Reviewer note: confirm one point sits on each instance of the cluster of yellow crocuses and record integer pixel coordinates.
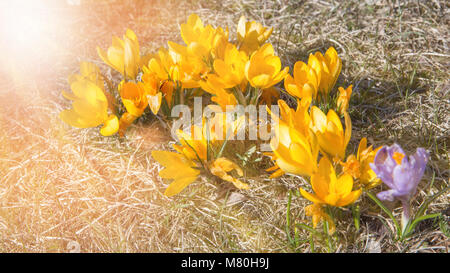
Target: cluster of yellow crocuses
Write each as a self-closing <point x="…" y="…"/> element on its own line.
<point x="229" y="71"/>
<point x="303" y="134"/>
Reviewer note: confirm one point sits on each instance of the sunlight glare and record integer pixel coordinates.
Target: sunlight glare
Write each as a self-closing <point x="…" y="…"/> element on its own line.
<point x="28" y="30"/>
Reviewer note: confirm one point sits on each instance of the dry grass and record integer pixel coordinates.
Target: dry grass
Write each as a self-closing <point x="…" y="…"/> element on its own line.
<point x="59" y="184"/>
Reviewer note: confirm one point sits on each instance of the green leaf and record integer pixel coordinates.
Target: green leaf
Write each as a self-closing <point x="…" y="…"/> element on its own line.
<point x="311" y="242"/>
<point x="413" y="224"/>
<point x="387" y="211"/>
<point x="356" y="216"/>
<point x="326" y="228"/>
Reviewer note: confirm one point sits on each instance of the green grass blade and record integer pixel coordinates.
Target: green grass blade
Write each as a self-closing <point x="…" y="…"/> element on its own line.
<point x="410" y="228"/>
<point x="356" y="213"/>
<point x="288" y="219"/>
<point x="387" y="211"/>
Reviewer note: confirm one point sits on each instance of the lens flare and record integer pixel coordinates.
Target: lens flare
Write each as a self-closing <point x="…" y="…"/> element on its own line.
<point x="29" y="36"/>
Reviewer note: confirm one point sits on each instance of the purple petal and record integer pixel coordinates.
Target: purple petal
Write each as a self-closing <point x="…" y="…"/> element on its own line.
<point x="395" y="148"/>
<point x="419" y="161"/>
<point x="403" y="178"/>
<point x="404" y="181"/>
<point x="381" y="156"/>
<point x="383" y="167"/>
<point x="387" y="195"/>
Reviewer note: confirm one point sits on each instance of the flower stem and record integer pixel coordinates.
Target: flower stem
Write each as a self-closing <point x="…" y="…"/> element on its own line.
<point x="406" y="215"/>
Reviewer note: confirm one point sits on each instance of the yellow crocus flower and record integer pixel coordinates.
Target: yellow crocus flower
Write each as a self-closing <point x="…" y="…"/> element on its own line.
<point x="178" y="168"/>
<point x="183" y="171"/>
<point x="193" y="146"/>
<point x="231" y="69"/>
<point x="202" y="40"/>
<point x="134" y="98"/>
<point x="327" y="67"/>
<point x="330" y="133"/>
<point x="263" y="70"/>
<point x="88" y="71"/>
<point x="329" y="189"/>
<point x="189" y="69"/>
<point x="359" y="166"/>
<point x="192" y="29"/>
<point x="298" y="119"/>
<point x="91" y="72"/>
<point x="294" y="153"/>
<point x="161" y="64"/>
<point x="304" y="83"/>
<point x="152" y="87"/>
<point x="90" y="108"/>
<point x="123" y="55"/>
<point x="344" y="99"/>
<point x="251" y="35"/>
<point x="162" y="67"/>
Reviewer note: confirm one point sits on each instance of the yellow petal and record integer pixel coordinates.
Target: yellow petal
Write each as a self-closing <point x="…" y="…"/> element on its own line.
<point x="344" y="184"/>
<point x="311" y="197"/>
<point x="131" y="107"/>
<point x="111" y="126"/>
<point x="177" y="165"/>
<point x="155" y="102"/>
<point x="348" y="128"/>
<point x="349" y="199"/>
<point x="319" y="119"/>
<point x="260" y="81"/>
<point x="116" y="59"/>
<point x="220" y="168"/>
<point x="333" y="117"/>
<point x="361" y="147"/>
<point x="73" y="119"/>
<point x="88" y="90"/>
<point x="178" y="185"/>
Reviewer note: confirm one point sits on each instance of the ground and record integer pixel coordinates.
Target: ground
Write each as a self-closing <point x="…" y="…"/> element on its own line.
<point x="62" y="187"/>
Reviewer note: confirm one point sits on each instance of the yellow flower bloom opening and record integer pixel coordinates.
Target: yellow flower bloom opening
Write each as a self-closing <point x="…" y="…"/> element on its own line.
<point x="330" y="134"/>
<point x="123" y="55"/>
<point x="329" y="189"/>
<point x="263" y="70"/>
<point x="359" y="166"/>
<point x="251" y="35"/>
<point x="295" y="153"/>
<point x="304" y="83"/>
<point x="327" y="67"/>
<point x="344" y="99"/>
<point x="89" y="102"/>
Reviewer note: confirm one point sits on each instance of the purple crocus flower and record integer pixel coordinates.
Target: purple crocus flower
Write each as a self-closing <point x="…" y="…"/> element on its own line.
<point x="400" y="173"/>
